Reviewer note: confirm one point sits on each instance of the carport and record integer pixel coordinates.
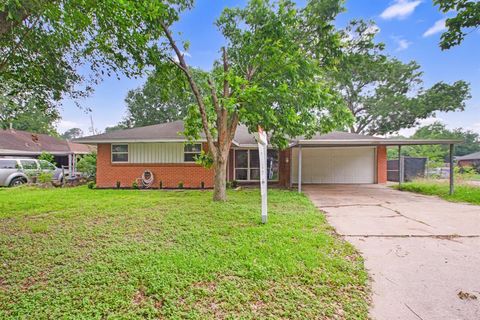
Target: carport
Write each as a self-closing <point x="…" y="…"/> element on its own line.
<point x="343" y="158"/>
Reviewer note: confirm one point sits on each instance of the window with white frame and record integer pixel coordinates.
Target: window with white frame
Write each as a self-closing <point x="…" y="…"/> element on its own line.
<point x="247" y="165"/>
<point x="119" y="152"/>
<point x="191" y="151"/>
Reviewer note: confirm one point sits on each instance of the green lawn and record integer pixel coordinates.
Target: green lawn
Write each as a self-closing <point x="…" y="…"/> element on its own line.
<point x="86" y="254"/>
<point x="463" y="192"/>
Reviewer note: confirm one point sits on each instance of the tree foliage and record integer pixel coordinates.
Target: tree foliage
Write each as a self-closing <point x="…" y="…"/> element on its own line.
<point x="72" y="133"/>
<point x="385" y="94"/>
<point x="24" y="112"/>
<point x="88" y="165"/>
<point x="438" y="154"/>
<point x="467" y="16"/>
<point x="44" y="43"/>
<point x="165" y="97"/>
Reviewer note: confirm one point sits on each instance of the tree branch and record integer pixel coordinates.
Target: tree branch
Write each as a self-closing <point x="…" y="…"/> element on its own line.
<point x="196" y="91"/>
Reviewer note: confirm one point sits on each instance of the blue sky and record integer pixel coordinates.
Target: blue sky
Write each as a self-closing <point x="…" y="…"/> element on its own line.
<point x="409" y="28"/>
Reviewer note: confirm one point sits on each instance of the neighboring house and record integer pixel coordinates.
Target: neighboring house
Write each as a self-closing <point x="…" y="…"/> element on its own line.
<point x="469" y="160"/>
<point x="334" y="158"/>
<point x="17" y="143"/>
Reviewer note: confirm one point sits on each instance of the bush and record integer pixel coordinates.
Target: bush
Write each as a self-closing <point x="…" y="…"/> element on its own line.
<point x="180" y="185"/>
<point x="44" y="177"/>
<point x="118" y="184"/>
<point x="91" y="185"/>
<point x="134" y="185"/>
<point x="229" y="184"/>
<point x="88" y="165"/>
<point x="47" y="157"/>
<point x="234" y="183"/>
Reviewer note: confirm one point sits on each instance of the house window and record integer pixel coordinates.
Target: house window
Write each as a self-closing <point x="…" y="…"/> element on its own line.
<point x="191" y="151"/>
<point x="247" y="165"/>
<point x="119" y="152"/>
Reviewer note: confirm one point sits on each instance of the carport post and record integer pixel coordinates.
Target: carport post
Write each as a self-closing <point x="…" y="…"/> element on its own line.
<point x="299" y="169"/>
<point x="452" y="187"/>
<point x="400" y="173"/>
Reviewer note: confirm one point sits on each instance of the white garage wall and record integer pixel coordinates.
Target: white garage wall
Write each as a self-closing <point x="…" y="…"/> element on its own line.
<point x="335" y="165"/>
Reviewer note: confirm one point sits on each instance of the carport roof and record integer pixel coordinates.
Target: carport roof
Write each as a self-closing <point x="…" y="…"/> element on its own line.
<point x="353" y="139"/>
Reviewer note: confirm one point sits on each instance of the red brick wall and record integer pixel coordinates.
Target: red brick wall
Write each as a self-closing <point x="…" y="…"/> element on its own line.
<point x="170" y="174"/>
<point x="381" y="164"/>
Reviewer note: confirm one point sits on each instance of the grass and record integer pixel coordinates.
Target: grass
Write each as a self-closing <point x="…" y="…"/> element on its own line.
<point x="130" y="254"/>
<point x="463" y="192"/>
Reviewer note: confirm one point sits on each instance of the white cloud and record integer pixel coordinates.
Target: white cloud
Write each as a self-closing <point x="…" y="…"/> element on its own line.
<point x="400" y="9"/>
<point x="437" y="27"/>
<point x="402" y="44"/>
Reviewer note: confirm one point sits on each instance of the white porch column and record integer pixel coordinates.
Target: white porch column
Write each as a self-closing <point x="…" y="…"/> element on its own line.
<point x="299" y="169"/>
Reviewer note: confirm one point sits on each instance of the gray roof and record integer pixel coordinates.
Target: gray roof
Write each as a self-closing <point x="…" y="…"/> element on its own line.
<point x="471" y="156"/>
<point x="18" y="142"/>
<point x="164" y="132"/>
<point x="172" y="132"/>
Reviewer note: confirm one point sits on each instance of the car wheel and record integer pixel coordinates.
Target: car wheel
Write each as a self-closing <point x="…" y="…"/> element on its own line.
<point x="17" y="182"/>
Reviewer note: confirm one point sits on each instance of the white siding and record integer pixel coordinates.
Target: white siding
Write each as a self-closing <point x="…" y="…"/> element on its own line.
<point x="335" y="165"/>
<point x="155" y="152"/>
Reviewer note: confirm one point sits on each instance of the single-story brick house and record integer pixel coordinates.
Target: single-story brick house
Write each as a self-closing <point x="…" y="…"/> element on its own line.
<point x="334" y="158"/>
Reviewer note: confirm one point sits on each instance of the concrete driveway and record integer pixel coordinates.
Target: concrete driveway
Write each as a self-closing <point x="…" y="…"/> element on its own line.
<point x="423" y="253"/>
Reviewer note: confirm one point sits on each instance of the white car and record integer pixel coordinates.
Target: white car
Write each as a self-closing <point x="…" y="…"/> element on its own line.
<point x="15" y="172"/>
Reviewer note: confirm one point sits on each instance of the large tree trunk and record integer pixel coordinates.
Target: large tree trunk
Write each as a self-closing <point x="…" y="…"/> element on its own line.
<point x="220" y="186"/>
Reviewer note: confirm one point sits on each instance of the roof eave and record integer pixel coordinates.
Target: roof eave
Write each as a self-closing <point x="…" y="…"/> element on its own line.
<point x="120" y="140"/>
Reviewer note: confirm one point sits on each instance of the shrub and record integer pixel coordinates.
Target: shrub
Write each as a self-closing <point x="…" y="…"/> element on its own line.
<point x="44" y="177"/>
<point x="47" y="157"/>
<point x="180" y="185"/>
<point x="135" y="185"/>
<point x="118" y="184"/>
<point x="160" y="185"/>
<point x="234" y="183"/>
<point x="91" y="185"/>
<point x="88" y="165"/>
<point x="229" y="184"/>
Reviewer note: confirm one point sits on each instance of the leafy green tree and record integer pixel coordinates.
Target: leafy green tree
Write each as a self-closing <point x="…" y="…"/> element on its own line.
<point x="23" y="112"/>
<point x="88" y="165"/>
<point x="438" y="154"/>
<point x="383" y="93"/>
<point x="119" y="126"/>
<point x="164" y="97"/>
<point x="47" y="157"/>
<point x="271" y="74"/>
<point x="72" y="133"/>
<point x="467" y="16"/>
<point x="44" y="43"/>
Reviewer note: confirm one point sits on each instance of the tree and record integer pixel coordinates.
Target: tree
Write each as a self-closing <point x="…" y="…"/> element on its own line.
<point x="271" y="74"/>
<point x="383" y="93"/>
<point x="88" y="165"/>
<point x="164" y="97"/>
<point x="24" y="112"/>
<point x="47" y="157"/>
<point x="438" y="154"/>
<point x="72" y="133"/>
<point x="43" y="43"/>
<point x="467" y="15"/>
<point x="119" y="126"/>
